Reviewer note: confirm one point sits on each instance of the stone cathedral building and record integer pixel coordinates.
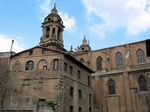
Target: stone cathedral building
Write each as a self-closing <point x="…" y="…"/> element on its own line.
<point x="48" y="78"/>
<point x="121" y="82"/>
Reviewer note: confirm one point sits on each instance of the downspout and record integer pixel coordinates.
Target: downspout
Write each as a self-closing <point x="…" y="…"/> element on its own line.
<point x="7" y="71"/>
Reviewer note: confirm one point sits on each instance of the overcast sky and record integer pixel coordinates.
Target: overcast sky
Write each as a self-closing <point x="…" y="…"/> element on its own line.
<point x="105" y="23"/>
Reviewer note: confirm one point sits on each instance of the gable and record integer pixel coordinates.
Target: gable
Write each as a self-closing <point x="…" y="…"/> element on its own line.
<point x="36" y="52"/>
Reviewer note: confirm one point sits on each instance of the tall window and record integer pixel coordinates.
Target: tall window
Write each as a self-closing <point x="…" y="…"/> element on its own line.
<point x="140" y="56"/>
<point x="111" y="87"/>
<point x="55" y="64"/>
<point x="119" y="59"/>
<point x="80" y="94"/>
<point x="65" y="67"/>
<point x="71" y="91"/>
<point x="80" y="109"/>
<point x="47" y="31"/>
<point x="29" y="65"/>
<point x="71" y="108"/>
<point x="81" y="60"/>
<point x="89" y="109"/>
<point x="89" y="99"/>
<point x="89" y="81"/>
<point x="59" y="31"/>
<point x="70" y="70"/>
<point x="79" y="74"/>
<point x="142" y="84"/>
<point x="99" y="63"/>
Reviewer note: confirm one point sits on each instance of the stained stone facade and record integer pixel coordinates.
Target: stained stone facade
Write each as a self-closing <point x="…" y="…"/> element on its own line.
<point x="121" y="82"/>
<point x="46" y="78"/>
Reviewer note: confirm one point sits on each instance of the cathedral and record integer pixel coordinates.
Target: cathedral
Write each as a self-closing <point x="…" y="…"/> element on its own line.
<point x="48" y="78"/>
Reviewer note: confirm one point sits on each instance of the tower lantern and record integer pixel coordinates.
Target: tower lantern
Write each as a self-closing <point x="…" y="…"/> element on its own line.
<point x="52" y="30"/>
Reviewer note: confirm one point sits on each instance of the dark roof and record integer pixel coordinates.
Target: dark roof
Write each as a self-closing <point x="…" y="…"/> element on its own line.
<point x="78" y="63"/>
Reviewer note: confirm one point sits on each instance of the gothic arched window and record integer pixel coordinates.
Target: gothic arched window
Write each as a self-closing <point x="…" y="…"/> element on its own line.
<point x="119" y="59"/>
<point x="142" y="84"/>
<point x="140" y="56"/>
<point x="81" y="60"/>
<point x="30" y="65"/>
<point x="99" y="63"/>
<point x="111" y="87"/>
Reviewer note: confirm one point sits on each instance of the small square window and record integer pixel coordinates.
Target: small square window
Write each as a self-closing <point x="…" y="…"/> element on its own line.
<point x="43" y="51"/>
<point x="40" y="84"/>
<point x="45" y="68"/>
<point x="30" y="52"/>
<point x="26" y="82"/>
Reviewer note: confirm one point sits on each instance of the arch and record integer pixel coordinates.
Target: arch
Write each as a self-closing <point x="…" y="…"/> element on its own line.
<point x="140" y="56"/>
<point x="29" y="65"/>
<point x="142" y="84"/>
<point x="99" y="63"/>
<point x="111" y="86"/>
<point x="42" y="65"/>
<point x="119" y="59"/>
<point x="82" y="60"/>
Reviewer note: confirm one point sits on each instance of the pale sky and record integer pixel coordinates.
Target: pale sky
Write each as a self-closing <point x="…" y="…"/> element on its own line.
<point x="105" y="23"/>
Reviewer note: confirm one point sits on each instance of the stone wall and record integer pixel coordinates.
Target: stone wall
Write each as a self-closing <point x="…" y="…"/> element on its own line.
<point x="3" y="76"/>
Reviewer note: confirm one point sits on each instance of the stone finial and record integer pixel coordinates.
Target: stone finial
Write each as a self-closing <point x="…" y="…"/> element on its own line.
<point x="54" y="10"/>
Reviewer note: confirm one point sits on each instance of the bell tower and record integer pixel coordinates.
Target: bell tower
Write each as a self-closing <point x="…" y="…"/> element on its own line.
<point x="85" y="46"/>
<point x="52" y="28"/>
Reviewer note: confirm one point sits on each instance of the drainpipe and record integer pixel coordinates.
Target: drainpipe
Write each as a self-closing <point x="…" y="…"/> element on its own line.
<point x="7" y="71"/>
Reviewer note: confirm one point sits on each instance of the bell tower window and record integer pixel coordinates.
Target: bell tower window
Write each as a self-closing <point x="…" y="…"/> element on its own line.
<point x="47" y="31"/>
<point x="49" y="19"/>
<point x="53" y="34"/>
<point x="58" y="34"/>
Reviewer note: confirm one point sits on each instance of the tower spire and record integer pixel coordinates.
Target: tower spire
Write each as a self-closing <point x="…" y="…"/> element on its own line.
<point x="54" y="10"/>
